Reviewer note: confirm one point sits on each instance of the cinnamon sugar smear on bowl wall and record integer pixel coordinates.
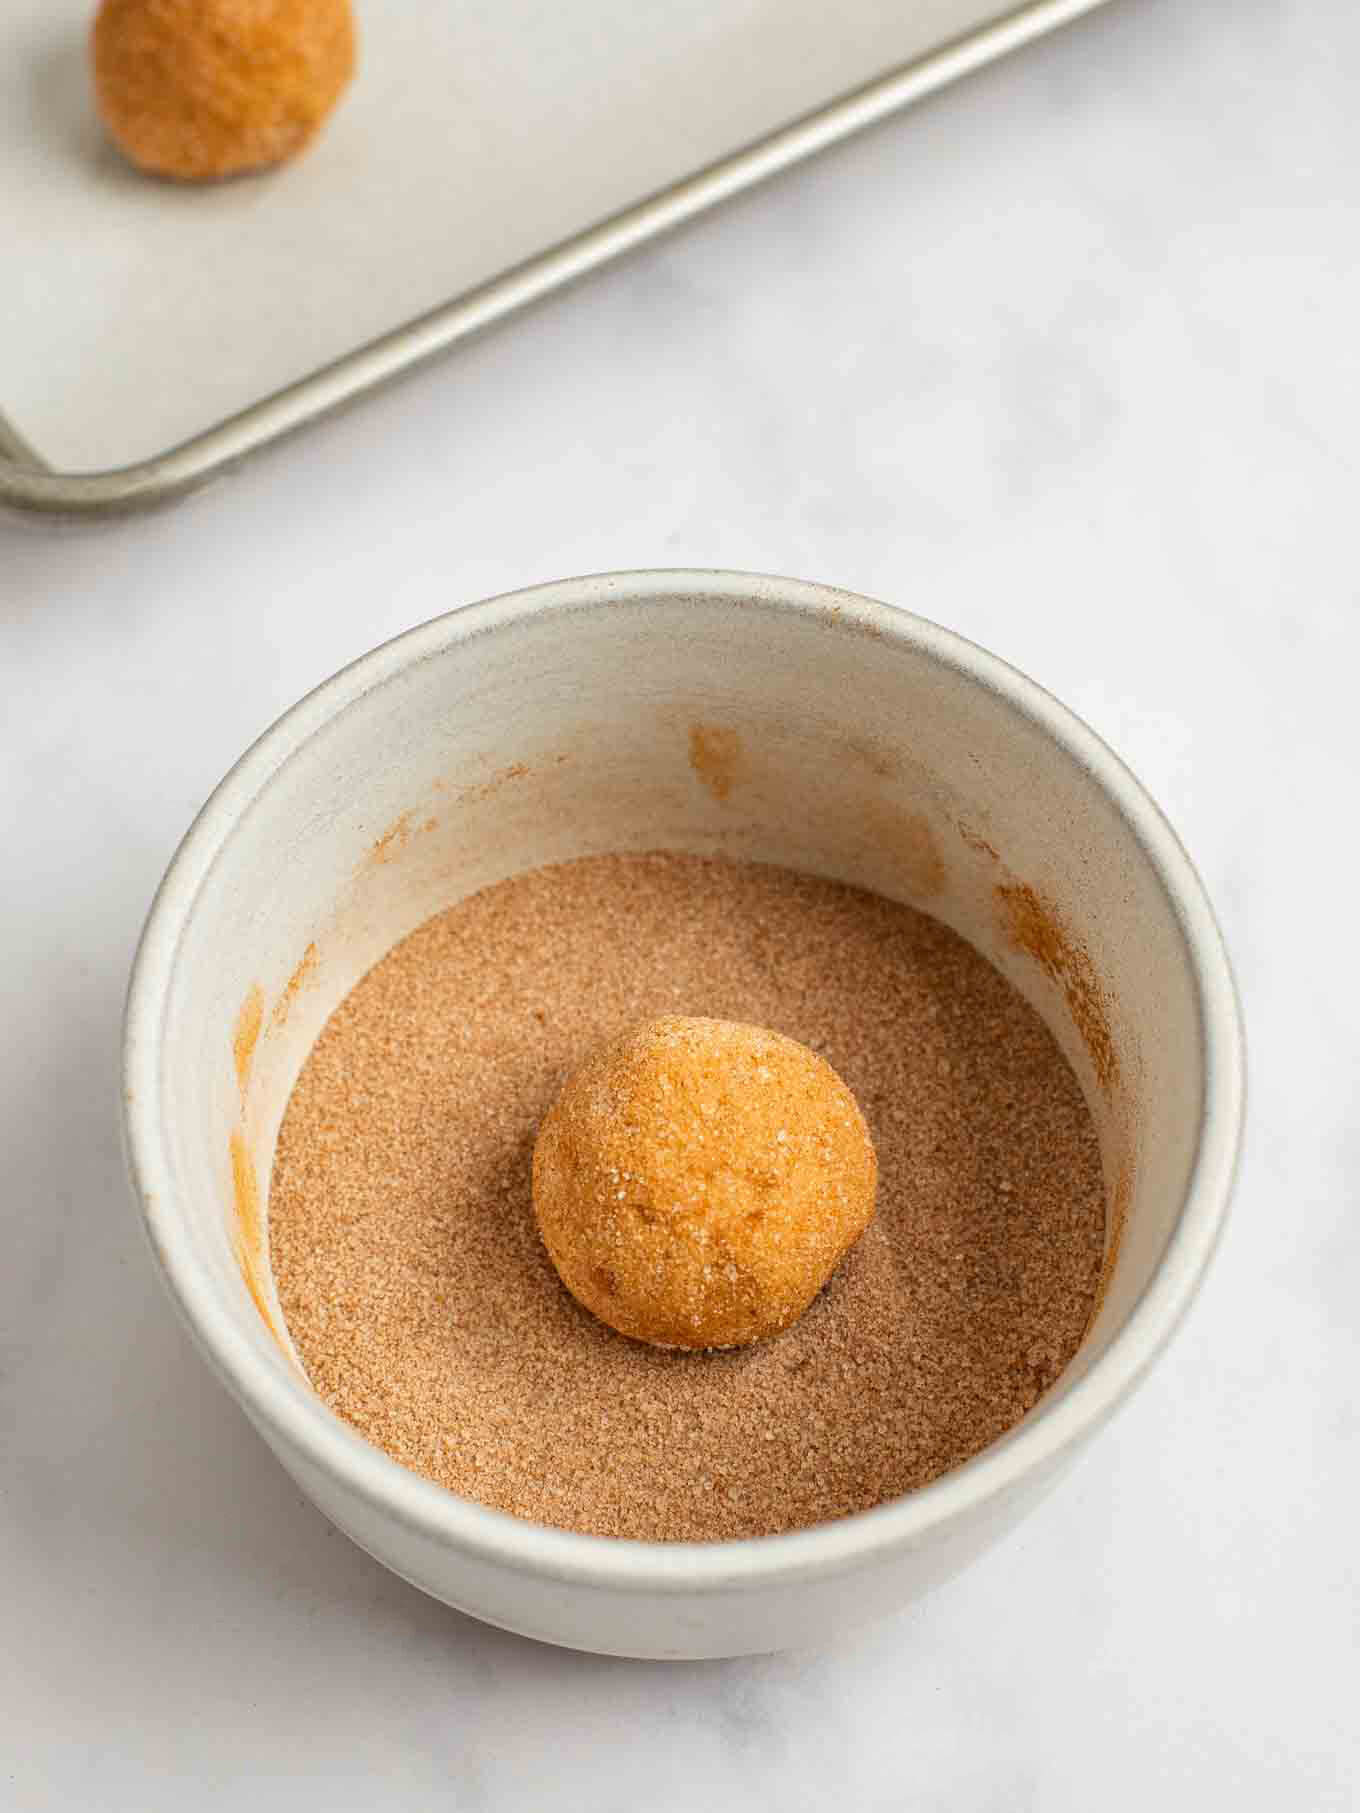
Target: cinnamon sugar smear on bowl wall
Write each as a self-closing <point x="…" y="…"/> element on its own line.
<point x="729" y="721"/>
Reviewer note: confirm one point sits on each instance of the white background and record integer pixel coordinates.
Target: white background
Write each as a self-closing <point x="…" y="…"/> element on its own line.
<point x="1067" y="360"/>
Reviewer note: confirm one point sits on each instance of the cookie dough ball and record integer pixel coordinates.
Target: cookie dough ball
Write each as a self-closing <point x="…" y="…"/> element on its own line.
<point x="697" y="1181"/>
<point x="200" y="89"/>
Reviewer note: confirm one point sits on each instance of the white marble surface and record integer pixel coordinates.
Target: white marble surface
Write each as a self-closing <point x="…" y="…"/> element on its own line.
<point x="1068" y="360"/>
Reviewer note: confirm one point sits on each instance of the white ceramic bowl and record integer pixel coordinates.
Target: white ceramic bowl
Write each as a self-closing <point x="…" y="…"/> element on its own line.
<point x="855" y="740"/>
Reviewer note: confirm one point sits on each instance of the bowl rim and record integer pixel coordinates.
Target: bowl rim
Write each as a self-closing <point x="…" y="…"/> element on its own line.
<point x="290" y="1414"/>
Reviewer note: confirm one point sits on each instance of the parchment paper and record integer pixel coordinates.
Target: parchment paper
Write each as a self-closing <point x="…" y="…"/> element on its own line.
<point x="134" y="313"/>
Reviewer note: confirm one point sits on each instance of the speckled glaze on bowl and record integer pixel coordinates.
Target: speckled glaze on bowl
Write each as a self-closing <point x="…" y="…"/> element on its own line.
<point x="714" y="712"/>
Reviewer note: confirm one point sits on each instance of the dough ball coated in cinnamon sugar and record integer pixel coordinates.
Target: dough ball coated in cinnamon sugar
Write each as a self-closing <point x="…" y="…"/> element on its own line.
<point x="202" y="89"/>
<point x="697" y="1181"/>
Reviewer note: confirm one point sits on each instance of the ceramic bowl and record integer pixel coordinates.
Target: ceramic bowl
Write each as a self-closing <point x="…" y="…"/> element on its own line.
<point x="710" y="712"/>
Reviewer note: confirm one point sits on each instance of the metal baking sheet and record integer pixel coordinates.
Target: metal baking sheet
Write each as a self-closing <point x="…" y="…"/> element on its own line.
<point x="490" y="152"/>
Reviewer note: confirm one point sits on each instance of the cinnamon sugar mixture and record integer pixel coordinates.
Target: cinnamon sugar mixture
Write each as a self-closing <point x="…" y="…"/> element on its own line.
<point x="428" y="1315"/>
